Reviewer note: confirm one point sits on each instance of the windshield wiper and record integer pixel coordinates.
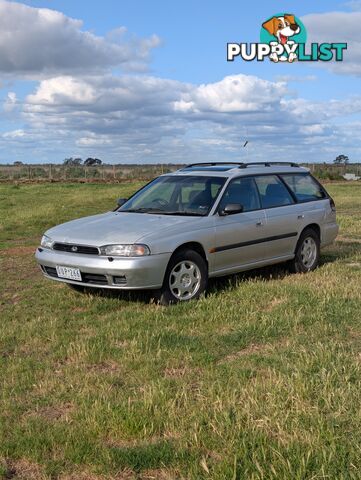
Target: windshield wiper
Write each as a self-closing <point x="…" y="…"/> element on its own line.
<point x="159" y="211"/>
<point x="185" y="213"/>
<point x="143" y="210"/>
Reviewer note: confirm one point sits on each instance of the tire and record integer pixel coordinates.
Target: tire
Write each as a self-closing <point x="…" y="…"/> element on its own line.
<point x="185" y="279"/>
<point x="307" y="254"/>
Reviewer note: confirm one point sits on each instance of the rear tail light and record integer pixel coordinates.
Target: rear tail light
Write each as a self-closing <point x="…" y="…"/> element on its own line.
<point x="332" y="205"/>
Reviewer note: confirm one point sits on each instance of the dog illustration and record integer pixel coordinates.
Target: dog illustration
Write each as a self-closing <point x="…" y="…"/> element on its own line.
<point x="282" y="28"/>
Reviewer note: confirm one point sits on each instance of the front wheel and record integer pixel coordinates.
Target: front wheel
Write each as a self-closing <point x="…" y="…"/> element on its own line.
<point x="307" y="255"/>
<point x="185" y="279"/>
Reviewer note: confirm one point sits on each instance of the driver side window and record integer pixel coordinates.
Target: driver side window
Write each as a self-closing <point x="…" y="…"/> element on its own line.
<point x="242" y="191"/>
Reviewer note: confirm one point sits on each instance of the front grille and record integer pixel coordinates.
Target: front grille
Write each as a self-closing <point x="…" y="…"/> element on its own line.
<point x="94" y="278"/>
<point x="91" y="278"/>
<point x="74" y="248"/>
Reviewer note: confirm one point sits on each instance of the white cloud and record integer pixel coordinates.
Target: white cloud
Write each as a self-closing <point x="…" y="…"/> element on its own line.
<point x="337" y="27"/>
<point x="61" y="91"/>
<point x="14" y="134"/>
<point x="43" y="41"/>
<point x="10" y="102"/>
<point x="236" y="93"/>
<point x="93" y="140"/>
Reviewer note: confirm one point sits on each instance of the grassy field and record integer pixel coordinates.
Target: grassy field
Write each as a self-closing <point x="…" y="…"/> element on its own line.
<point x="259" y="380"/>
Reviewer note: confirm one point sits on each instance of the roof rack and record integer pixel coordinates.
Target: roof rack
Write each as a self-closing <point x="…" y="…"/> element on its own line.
<point x="212" y="164"/>
<point x="241" y="164"/>
<point x="267" y="164"/>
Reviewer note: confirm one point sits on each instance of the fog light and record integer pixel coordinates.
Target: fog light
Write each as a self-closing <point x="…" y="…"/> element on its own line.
<point x="120" y="280"/>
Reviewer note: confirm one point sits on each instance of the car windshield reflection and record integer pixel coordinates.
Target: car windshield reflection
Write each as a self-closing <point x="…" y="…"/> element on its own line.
<point x="187" y="195"/>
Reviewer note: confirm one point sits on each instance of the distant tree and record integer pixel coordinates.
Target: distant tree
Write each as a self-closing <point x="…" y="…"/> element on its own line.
<point x="18" y="163"/>
<point x="89" y="162"/>
<point x="341" y="160"/>
<point x="72" y="161"/>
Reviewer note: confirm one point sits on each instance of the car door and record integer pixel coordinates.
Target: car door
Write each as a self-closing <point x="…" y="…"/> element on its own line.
<point x="238" y="236"/>
<point x="281" y="226"/>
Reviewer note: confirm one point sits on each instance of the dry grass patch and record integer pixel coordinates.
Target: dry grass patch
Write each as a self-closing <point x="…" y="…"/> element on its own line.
<point x="79" y="309"/>
<point x="254" y="349"/>
<point x="113" y="442"/>
<point x="159" y="474"/>
<point x="23" y="469"/>
<point x="249" y="350"/>
<point x="274" y="303"/>
<point x="104" y="368"/>
<point x="121" y="344"/>
<point x="54" y="412"/>
<point x="348" y="240"/>
<point x="181" y="372"/>
<point x="19" y="251"/>
<point x="85" y="475"/>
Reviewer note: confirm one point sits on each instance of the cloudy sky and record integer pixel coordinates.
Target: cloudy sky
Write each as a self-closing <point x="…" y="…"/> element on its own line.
<point x="147" y="81"/>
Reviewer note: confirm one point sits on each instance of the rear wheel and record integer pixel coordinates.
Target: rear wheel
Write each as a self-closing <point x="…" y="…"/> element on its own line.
<point x="307" y="255"/>
<point x="185" y="279"/>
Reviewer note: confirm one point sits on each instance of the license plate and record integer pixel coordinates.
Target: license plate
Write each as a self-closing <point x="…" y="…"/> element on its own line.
<point x="68" y="272"/>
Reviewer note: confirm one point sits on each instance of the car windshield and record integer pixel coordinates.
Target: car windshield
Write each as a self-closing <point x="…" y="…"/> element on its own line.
<point x="176" y="195"/>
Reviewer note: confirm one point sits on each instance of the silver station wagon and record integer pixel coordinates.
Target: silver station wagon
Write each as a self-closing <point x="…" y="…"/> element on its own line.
<point x="205" y="220"/>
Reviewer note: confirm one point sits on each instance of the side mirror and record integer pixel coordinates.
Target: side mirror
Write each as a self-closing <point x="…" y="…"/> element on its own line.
<point x="121" y="201"/>
<point x="231" y="209"/>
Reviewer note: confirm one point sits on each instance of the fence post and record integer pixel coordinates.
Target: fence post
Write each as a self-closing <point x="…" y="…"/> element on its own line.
<point x="114" y="172"/>
<point x="29" y="172"/>
<point x="50" y="173"/>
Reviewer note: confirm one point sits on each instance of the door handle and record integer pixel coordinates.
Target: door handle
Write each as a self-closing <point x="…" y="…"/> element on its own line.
<point x="300" y="217"/>
<point x="259" y="223"/>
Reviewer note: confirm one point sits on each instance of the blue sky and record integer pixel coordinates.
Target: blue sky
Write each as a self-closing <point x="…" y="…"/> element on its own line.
<point x="162" y="91"/>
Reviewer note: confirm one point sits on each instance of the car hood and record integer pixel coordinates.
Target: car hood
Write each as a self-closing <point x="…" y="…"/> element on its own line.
<point x="114" y="227"/>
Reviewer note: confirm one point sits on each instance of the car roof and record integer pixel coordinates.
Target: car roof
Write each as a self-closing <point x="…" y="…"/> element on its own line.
<point x="229" y="170"/>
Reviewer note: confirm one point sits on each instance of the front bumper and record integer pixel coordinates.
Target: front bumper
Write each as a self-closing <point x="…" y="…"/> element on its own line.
<point x="131" y="273"/>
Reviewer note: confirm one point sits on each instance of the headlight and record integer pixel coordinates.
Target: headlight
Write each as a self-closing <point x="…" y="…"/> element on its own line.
<point x="46" y="242"/>
<point x="136" y="250"/>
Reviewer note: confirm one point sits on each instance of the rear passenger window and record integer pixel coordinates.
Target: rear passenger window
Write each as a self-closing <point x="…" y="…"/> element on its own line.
<point x="304" y="187"/>
<point x="272" y="191"/>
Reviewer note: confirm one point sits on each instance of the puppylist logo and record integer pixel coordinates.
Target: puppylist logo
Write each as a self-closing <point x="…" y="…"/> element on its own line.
<point x="283" y="39"/>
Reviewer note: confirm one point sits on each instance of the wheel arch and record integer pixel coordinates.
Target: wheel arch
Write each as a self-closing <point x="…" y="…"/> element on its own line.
<point x="315" y="227"/>
<point x="195" y="246"/>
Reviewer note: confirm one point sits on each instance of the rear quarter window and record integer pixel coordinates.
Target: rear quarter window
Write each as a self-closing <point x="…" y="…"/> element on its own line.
<point x="304" y="187"/>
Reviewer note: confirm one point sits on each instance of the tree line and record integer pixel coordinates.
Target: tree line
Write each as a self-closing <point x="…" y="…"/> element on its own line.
<point x="89" y="162"/>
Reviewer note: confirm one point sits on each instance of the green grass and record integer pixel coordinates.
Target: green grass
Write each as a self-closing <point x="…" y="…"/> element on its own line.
<point x="259" y="380"/>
